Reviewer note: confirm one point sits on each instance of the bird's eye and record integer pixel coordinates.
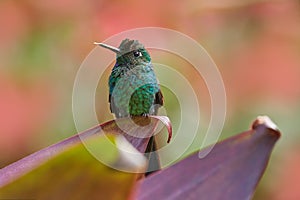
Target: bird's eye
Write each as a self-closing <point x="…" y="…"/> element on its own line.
<point x="137" y="54"/>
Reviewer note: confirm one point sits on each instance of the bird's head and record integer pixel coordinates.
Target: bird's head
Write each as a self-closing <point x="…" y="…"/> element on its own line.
<point x="129" y="51"/>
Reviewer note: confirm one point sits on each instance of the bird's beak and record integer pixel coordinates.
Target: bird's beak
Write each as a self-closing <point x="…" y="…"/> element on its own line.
<point x="114" y="49"/>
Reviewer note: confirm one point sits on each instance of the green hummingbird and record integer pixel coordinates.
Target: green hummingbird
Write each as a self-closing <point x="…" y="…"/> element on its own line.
<point x="133" y="87"/>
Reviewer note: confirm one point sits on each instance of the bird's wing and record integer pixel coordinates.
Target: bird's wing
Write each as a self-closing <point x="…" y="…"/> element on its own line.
<point x="110" y="102"/>
<point x="159" y="99"/>
<point x="113" y="107"/>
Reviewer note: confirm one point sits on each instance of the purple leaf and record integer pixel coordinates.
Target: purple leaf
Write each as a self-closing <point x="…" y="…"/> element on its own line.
<point x="231" y="171"/>
<point x="76" y="174"/>
<point x="137" y="131"/>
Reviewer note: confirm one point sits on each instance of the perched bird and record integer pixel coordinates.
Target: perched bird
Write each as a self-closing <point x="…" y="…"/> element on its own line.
<point x="133" y="87"/>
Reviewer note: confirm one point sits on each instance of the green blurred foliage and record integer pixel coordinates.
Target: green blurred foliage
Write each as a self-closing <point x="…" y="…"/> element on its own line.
<point x="76" y="174"/>
<point x="255" y="44"/>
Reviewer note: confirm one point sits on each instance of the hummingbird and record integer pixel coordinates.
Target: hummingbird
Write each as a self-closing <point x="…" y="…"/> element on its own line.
<point x="133" y="87"/>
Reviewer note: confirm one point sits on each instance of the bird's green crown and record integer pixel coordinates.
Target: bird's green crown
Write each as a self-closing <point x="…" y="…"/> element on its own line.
<point x="128" y="45"/>
<point x="132" y="51"/>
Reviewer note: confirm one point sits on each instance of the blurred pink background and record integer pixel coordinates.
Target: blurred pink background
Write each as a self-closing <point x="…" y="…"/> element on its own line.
<point x="256" y="45"/>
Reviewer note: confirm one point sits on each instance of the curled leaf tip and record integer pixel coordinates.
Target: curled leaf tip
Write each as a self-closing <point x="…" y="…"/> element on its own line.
<point x="264" y="120"/>
<point x="166" y="121"/>
<point x="170" y="133"/>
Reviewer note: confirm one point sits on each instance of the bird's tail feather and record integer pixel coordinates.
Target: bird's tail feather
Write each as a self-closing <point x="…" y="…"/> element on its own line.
<point x="152" y="156"/>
